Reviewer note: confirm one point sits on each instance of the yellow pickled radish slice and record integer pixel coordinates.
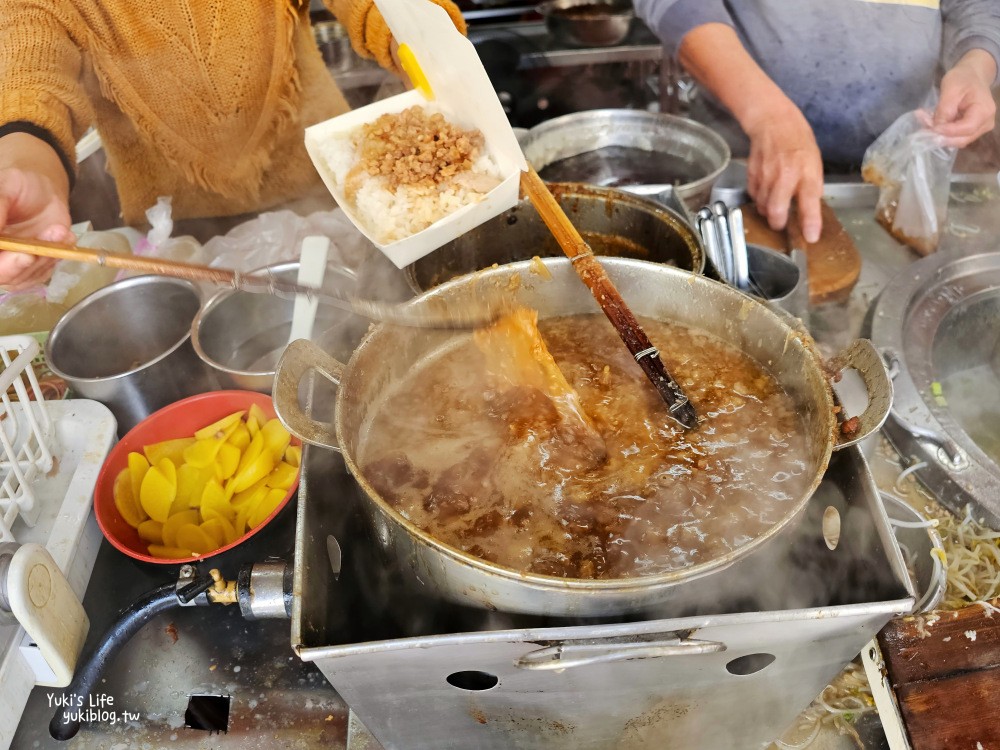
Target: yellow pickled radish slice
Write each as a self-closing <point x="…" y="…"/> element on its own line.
<point x="168" y="469"/>
<point x="253" y="426"/>
<point x="214" y="502"/>
<point x="226" y="461"/>
<point x="412" y="69"/>
<point x="173" y="524"/>
<point x="172" y="449"/>
<point x="220" y="428"/>
<point x="169" y="553"/>
<point x="282" y="477"/>
<point x="244" y="513"/>
<point x="293" y="455"/>
<point x="229" y="534"/>
<point x="137" y="467"/>
<point x="254" y="471"/>
<point x="240" y="437"/>
<point x="265" y="507"/>
<point x="202" y="453"/>
<point x="250" y="496"/>
<point x="191" y="482"/>
<point x="276" y="438"/>
<point x="193" y="538"/>
<point x="213" y="529"/>
<point x="125" y="502"/>
<point x="159" y="487"/>
<point x="257" y="414"/>
<point x="253" y="450"/>
<point x="151" y="531"/>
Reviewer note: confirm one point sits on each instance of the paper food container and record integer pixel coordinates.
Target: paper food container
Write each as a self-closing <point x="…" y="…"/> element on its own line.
<point x="458" y="85"/>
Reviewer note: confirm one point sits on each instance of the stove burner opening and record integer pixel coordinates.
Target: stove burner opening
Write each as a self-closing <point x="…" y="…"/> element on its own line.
<point x="208" y="712"/>
<point x="750" y="664"/>
<point x="472" y="680"/>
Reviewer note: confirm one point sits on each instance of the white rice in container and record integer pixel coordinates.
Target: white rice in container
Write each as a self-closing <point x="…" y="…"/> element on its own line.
<point x="390" y="215"/>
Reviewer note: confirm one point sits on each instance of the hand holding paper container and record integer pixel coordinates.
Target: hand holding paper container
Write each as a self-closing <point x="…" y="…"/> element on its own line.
<point x="450" y="78"/>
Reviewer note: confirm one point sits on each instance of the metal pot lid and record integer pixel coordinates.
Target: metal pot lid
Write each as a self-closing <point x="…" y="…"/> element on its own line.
<point x="936" y="325"/>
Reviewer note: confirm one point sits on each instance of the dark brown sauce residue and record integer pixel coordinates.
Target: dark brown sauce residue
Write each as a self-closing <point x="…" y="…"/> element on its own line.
<point x="486" y="468"/>
<point x="614" y="166"/>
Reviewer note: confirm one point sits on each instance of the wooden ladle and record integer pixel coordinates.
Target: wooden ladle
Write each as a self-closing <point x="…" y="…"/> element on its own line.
<point x="592" y="273"/>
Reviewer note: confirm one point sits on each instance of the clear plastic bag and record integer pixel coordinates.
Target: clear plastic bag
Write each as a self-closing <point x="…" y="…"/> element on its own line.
<point x="912" y="168"/>
<point x="276" y="236"/>
<point x="159" y="244"/>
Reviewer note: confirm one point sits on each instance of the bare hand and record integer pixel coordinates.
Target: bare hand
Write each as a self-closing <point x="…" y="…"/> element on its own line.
<point x="30" y="207"/>
<point x="785" y="163"/>
<point x="966" y="109"/>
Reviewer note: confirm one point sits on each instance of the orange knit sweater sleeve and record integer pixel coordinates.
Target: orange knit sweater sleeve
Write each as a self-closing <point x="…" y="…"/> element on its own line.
<point x="369" y="33"/>
<point x="40" y="67"/>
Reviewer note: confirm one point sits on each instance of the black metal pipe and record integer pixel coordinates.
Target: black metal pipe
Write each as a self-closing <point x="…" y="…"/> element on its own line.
<point x="66" y="723"/>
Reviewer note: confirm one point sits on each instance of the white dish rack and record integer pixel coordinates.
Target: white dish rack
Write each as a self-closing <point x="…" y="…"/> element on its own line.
<point x="52" y="452"/>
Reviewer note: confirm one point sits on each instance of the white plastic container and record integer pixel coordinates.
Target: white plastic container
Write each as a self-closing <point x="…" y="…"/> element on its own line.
<point x="462" y="90"/>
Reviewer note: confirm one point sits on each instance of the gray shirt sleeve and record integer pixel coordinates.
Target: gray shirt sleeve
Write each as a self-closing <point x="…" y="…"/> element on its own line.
<point x="970" y="24"/>
<point x="671" y="20"/>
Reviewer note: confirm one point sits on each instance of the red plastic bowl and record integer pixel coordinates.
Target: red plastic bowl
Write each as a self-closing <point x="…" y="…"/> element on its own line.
<point x="180" y="419"/>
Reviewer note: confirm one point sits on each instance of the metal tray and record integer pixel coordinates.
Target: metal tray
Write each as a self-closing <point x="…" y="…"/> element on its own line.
<point x="935" y="326"/>
<point x="729" y="668"/>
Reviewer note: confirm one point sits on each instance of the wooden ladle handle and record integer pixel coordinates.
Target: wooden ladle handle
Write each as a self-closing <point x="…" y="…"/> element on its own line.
<point x="592" y="273"/>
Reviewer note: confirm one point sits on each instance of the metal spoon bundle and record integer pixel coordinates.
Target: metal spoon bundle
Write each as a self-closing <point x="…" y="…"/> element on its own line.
<point x="725" y="243"/>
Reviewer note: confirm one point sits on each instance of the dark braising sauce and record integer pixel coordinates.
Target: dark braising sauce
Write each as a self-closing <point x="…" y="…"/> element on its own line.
<point x="490" y="469"/>
<point x="613" y="166"/>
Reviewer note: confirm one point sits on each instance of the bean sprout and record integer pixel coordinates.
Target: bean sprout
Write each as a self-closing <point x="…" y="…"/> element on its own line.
<point x="969" y="565"/>
<point x="905" y="473"/>
<point x="837" y="707"/>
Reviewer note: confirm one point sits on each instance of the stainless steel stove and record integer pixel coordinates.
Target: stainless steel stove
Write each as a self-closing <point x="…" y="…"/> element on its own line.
<point x="730" y="664"/>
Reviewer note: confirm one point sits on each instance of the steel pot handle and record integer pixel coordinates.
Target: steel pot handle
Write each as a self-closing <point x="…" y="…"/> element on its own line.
<point x="863" y="357"/>
<point x="299" y="359"/>
<point x="601" y="651"/>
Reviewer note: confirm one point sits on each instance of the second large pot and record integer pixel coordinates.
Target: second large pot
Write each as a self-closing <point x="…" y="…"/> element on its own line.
<point x="388" y="354"/>
<point x="614" y="223"/>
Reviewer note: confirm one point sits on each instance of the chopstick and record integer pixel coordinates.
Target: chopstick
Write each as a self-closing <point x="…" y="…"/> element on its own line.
<point x="460" y="318"/>
<point x="158" y="266"/>
<point x="592" y="273"/>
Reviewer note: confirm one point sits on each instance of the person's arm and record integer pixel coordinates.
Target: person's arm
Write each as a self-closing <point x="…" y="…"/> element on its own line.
<point x="785" y="162"/>
<point x="43" y="110"/>
<point x="370" y="36"/>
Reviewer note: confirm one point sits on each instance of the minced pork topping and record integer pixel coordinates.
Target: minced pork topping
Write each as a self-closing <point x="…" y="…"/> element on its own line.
<point x="416" y="148"/>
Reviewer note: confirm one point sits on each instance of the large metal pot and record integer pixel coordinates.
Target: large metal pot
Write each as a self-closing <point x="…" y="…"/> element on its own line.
<point x="679" y="143"/>
<point x="388" y="354"/>
<point x="613" y="223"/>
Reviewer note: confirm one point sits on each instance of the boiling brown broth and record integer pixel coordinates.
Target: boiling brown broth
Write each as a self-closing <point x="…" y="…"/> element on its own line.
<point x="491" y="469"/>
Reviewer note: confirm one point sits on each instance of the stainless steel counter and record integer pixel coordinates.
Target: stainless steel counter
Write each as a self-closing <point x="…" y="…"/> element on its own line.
<point x="276" y="700"/>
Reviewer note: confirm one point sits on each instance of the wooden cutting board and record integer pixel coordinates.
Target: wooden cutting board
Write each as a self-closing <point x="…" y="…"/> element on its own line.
<point x="834" y="262"/>
<point x="945" y="673"/>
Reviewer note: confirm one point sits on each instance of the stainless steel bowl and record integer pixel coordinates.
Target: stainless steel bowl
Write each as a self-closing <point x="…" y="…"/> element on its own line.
<point x="591" y="23"/>
<point x="622" y="142"/>
<point x="918" y="543"/>
<point x="241" y="335"/>
<point x="128" y="346"/>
